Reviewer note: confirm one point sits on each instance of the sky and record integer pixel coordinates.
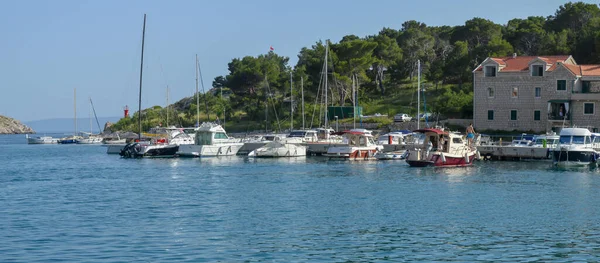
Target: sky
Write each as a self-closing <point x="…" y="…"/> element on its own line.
<point x="49" y="49"/>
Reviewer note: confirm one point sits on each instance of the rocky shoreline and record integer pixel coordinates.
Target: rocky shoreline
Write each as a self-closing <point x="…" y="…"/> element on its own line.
<point x="12" y="126"/>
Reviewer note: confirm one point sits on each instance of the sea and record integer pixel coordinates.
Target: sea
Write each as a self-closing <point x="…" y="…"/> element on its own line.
<point x="75" y="203"/>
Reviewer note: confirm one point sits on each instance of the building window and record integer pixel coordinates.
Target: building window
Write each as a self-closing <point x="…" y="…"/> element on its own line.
<point x="490" y="115"/>
<point x="490" y="92"/>
<point x="537" y="115"/>
<point x="588" y="108"/>
<point x="513" y="115"/>
<point x="538" y="92"/>
<point x="515" y="92"/>
<point x="490" y="71"/>
<point x="561" y="84"/>
<point x="537" y="70"/>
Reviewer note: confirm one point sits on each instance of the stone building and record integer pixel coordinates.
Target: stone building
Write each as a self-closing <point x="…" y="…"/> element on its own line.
<point x="535" y="93"/>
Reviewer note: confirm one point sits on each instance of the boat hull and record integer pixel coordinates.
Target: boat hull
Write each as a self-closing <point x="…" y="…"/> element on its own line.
<point x="565" y="158"/>
<point x="357" y="155"/>
<point x="439" y="160"/>
<point x="191" y="150"/>
<point x="136" y="150"/>
<point x="396" y="155"/>
<point x="277" y="152"/>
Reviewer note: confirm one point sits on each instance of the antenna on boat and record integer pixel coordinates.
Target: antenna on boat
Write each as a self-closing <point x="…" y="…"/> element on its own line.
<point x="141" y="71"/>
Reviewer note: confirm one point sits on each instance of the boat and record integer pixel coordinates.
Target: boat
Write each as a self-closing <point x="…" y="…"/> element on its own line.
<point x="358" y="145"/>
<point x="254" y="142"/>
<point x="576" y="148"/>
<point x="158" y="147"/>
<point x="41" y="140"/>
<point x="90" y="139"/>
<point x="395" y="155"/>
<point x="394" y="141"/>
<point x="286" y="147"/>
<point x="210" y="140"/>
<point x="441" y="149"/>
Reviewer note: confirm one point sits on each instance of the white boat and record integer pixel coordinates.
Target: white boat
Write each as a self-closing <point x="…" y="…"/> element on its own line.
<point x="395" y="155"/>
<point x="359" y="145"/>
<point x="394" y="141"/>
<point x="287" y="147"/>
<point x="576" y="148"/>
<point x="157" y="148"/>
<point x="256" y="141"/>
<point x="521" y="149"/>
<point x="41" y="140"/>
<point x="441" y="149"/>
<point x="211" y="140"/>
<point x="90" y="139"/>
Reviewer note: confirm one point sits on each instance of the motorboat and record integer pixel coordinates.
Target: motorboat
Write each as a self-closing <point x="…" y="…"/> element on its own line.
<point x="286" y="147"/>
<point x="441" y="149"/>
<point x="210" y="140"/>
<point x="90" y="139"/>
<point x="358" y="144"/>
<point x="254" y="142"/>
<point x="41" y="140"/>
<point x="69" y="139"/>
<point x="154" y="148"/>
<point x="576" y="148"/>
<point x="527" y="147"/>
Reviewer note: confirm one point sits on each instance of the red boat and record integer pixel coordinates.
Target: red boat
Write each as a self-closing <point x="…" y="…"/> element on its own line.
<point x="441" y="149"/>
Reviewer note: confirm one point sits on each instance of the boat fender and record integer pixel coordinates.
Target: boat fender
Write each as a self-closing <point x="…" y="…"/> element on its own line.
<point x="443" y="157"/>
<point x="478" y="155"/>
<point x="466" y="158"/>
<point x="357" y="154"/>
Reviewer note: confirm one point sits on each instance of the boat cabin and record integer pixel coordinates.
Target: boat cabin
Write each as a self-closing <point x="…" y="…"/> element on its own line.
<point x="435" y="140"/>
<point x="305" y="135"/>
<point x="581" y="136"/>
<point x="356" y="138"/>
<point x="210" y="133"/>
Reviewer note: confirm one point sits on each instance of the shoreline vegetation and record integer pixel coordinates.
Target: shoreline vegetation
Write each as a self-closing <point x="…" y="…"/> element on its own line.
<point x="255" y="94"/>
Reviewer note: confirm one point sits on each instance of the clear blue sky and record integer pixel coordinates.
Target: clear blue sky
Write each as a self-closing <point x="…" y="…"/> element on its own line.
<point x="48" y="48"/>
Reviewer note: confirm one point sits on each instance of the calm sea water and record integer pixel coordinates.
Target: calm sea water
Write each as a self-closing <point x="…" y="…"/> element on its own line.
<point x="75" y="203"/>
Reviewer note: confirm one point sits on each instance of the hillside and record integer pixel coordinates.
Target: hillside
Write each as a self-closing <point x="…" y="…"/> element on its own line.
<point x="12" y="126"/>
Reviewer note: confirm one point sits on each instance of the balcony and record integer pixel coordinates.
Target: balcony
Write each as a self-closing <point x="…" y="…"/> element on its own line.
<point x="590" y="90"/>
<point x="556" y="117"/>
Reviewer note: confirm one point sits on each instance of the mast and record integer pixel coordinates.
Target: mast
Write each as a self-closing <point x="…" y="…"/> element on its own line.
<point x="197" y="96"/>
<point x="203" y="91"/>
<point x="167" y="106"/>
<point x="418" y="92"/>
<point x="302" y="91"/>
<point x="75" y="109"/>
<point x="353" y="102"/>
<point x="95" y="116"/>
<point x="90" y="116"/>
<point x="141" y="71"/>
<point x="326" y="73"/>
<point x="291" y="102"/>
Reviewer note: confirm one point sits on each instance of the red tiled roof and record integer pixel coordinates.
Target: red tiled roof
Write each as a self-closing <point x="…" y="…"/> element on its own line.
<point x="576" y="69"/>
<point x="590" y="70"/>
<point x="521" y="63"/>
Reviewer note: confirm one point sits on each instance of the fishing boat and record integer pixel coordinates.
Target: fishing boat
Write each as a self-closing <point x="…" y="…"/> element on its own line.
<point x="441" y="149"/>
<point x="41" y="140"/>
<point x="358" y="145"/>
<point x="576" y="148"/>
<point x="210" y="140"/>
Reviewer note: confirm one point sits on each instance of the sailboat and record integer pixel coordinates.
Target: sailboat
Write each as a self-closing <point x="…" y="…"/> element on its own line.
<point x="91" y="138"/>
<point x="72" y="139"/>
<point x="156" y="148"/>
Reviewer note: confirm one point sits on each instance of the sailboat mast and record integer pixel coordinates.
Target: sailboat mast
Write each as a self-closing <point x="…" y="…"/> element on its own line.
<point x="141" y="71"/>
<point x="418" y="92"/>
<point x="203" y="91"/>
<point x="302" y="91"/>
<point x="95" y="116"/>
<point x="197" y="96"/>
<point x="326" y="73"/>
<point x="75" y="109"/>
<point x="167" y="106"/>
<point x="353" y="102"/>
<point x="291" y="102"/>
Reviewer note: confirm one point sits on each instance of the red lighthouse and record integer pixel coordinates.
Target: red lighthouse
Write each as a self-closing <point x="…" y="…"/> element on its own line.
<point x="126" y="111"/>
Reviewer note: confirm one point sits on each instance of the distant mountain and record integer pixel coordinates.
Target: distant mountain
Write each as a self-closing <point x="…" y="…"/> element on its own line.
<point x="65" y="125"/>
<point x="12" y="126"/>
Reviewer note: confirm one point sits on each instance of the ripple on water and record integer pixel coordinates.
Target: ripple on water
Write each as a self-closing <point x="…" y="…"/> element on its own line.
<point x="71" y="203"/>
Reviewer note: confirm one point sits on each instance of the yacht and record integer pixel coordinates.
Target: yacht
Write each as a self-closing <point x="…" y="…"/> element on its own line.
<point x="358" y="144"/>
<point x="41" y="140"/>
<point x="576" y="148"/>
<point x="441" y="149"/>
<point x="286" y="147"/>
<point x="210" y="140"/>
<point x="256" y="141"/>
